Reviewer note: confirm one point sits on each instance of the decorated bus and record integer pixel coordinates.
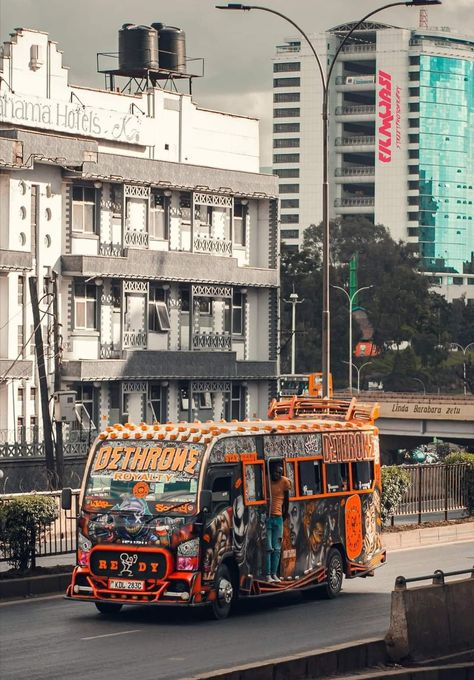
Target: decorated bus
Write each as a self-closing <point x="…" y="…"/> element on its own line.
<point x="176" y="514"/>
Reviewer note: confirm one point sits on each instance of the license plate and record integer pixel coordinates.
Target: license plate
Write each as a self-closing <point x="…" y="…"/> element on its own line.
<point x="119" y="584"/>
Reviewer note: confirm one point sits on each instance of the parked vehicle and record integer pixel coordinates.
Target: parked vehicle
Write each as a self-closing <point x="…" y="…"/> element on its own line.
<point x="176" y="513"/>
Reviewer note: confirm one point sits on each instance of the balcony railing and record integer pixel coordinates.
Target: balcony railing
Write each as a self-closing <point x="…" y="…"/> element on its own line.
<point x="209" y="341"/>
<point x="353" y="172"/>
<point x="361" y="140"/>
<point x="134" y="339"/>
<point x="359" y="48"/>
<point x="212" y="246"/>
<point x="111" y="249"/>
<point x="354" y="202"/>
<point x="137" y="239"/>
<point x="108" y="351"/>
<point x="357" y="108"/>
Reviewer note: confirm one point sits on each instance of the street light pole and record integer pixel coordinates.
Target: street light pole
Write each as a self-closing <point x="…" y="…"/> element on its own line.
<point x="293" y="301"/>
<point x="359" y="370"/>
<point x="464" y="350"/>
<point x="421" y="383"/>
<point x="325" y="80"/>
<point x="351" y="299"/>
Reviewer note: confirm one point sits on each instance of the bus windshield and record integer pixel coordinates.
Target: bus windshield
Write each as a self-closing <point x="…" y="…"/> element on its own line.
<point x="159" y="476"/>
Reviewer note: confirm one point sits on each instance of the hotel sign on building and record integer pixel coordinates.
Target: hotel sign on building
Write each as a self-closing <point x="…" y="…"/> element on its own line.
<point x="75" y="119"/>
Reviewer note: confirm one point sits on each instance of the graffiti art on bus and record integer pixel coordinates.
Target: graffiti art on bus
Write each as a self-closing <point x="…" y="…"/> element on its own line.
<point x="297" y="446"/>
<point x="218" y="542"/>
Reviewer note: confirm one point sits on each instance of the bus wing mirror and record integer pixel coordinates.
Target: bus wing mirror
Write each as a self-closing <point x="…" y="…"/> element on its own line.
<point x="205" y="500"/>
<point x="66" y="499"/>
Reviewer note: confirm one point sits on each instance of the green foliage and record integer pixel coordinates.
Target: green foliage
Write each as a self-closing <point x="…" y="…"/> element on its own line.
<point x="399" y="308"/>
<point x="22" y="521"/>
<point x="467" y="458"/>
<point x="395" y="482"/>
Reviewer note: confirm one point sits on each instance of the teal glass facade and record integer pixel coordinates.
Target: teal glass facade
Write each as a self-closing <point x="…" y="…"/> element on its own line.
<point x="446" y="164"/>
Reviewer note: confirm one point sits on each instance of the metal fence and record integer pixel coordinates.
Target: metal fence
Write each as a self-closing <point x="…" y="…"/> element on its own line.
<point x="60" y="537"/>
<point x="434" y="488"/>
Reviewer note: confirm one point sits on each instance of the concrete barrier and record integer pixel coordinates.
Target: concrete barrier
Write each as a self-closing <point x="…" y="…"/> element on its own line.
<point x="433" y="620"/>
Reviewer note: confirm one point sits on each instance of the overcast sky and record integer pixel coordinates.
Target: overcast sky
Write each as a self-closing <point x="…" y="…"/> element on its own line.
<point x="237" y="47"/>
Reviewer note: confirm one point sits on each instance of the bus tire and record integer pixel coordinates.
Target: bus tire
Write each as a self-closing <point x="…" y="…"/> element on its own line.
<point x="108" y="608"/>
<point x="225" y="593"/>
<point x="334" y="574"/>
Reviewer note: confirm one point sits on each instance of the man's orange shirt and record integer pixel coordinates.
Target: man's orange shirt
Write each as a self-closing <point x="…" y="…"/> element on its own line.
<point x="278" y="495"/>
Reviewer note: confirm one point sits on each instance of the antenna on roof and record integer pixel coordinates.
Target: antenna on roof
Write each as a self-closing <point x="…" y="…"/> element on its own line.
<point x="423" y="23"/>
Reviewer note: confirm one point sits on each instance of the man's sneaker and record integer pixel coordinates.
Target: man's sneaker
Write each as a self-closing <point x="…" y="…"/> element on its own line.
<point x="275" y="578"/>
<point x="268" y="578"/>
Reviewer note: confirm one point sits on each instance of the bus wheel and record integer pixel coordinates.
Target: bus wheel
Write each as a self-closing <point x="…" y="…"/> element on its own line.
<point x="334" y="575"/>
<point x="225" y="594"/>
<point x="108" y="608"/>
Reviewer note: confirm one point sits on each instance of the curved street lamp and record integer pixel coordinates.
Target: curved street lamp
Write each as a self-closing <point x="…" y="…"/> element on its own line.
<point x="422" y="384"/>
<point x="359" y="370"/>
<point x="351" y="299"/>
<point x="464" y="351"/>
<point x="325" y="79"/>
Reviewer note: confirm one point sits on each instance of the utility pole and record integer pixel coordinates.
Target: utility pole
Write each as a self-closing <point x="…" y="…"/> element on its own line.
<point x="57" y="382"/>
<point x="43" y="386"/>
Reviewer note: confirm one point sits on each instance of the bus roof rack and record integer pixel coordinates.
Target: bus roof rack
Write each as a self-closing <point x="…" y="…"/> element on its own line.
<point x="311" y="407"/>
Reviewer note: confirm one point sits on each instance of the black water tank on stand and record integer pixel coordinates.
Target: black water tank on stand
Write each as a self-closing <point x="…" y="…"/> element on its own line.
<point x="138" y="48"/>
<point x="172" y="48"/>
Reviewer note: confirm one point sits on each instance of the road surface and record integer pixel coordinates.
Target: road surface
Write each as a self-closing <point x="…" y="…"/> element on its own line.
<point x="53" y="638"/>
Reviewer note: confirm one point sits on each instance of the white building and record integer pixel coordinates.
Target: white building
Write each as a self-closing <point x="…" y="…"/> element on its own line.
<point x="151" y="214"/>
<point x="401" y="114"/>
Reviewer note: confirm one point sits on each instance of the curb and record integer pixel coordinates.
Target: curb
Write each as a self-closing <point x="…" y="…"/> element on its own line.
<point x="413" y="538"/>
<point x="339" y="659"/>
<point x="17" y="588"/>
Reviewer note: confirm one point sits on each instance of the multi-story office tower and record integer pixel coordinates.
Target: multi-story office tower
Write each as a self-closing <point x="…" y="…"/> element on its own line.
<point x="401" y="151"/>
<point x="162" y="235"/>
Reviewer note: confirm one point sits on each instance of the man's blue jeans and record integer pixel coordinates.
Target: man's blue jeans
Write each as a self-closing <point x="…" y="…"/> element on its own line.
<point x="274" y="537"/>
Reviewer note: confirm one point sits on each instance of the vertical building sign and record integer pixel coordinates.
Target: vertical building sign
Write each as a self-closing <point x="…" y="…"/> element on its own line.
<point x="389" y="116"/>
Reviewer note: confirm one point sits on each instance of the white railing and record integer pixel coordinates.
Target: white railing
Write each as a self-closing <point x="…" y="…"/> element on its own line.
<point x="135" y="339"/>
<point x="359" y="48"/>
<point x="212" y="341"/>
<point x="139" y="239"/>
<point x="212" y="246"/>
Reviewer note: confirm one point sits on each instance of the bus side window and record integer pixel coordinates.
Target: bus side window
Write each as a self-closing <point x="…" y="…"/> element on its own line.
<point x="337" y="477"/>
<point x="309" y="477"/>
<point x="254" y="483"/>
<point x="221" y="489"/>
<point x="363" y="474"/>
<point x="290" y="474"/>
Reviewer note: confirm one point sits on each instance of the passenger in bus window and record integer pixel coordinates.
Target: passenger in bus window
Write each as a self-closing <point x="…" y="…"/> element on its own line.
<point x="279" y="498"/>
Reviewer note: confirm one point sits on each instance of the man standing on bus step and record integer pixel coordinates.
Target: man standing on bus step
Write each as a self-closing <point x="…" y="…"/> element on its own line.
<point x="279" y="497"/>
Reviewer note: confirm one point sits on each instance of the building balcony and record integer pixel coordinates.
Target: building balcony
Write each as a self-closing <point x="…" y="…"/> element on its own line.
<point x="135" y="339"/>
<point x="169" y="266"/>
<point x="358" y="49"/>
<point x="362" y="111"/>
<point x="135" y="239"/>
<point x="221" y="342"/>
<point x="359" y="201"/>
<point x="353" y="175"/>
<point x="170" y="365"/>
<point x="111" y="249"/>
<point x="212" y="246"/>
<point x="359" y="142"/>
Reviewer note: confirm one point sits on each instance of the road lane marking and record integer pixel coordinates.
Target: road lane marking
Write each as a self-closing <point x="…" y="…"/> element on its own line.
<point x="123" y="632"/>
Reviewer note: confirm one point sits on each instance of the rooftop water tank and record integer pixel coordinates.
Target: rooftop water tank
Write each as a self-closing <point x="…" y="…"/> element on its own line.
<point x="172" y="48"/>
<point x="138" y="48"/>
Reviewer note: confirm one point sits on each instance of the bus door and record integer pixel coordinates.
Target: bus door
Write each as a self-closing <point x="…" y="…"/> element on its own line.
<point x="217" y="534"/>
